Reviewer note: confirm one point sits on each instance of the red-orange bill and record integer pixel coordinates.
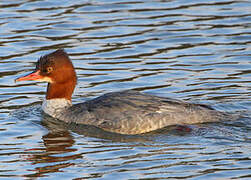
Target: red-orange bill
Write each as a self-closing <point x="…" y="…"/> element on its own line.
<point x="30" y="77"/>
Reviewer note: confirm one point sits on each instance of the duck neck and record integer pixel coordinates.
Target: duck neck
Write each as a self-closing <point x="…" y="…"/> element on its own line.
<point x="60" y="90"/>
<point x="58" y="98"/>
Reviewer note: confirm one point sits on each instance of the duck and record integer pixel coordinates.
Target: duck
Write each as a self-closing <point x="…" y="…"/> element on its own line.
<point x="124" y="112"/>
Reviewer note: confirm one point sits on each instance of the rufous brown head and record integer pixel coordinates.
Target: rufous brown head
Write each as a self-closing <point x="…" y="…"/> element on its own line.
<point x="57" y="69"/>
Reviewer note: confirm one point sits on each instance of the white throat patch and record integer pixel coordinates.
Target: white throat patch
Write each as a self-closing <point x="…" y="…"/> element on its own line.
<point x="54" y="107"/>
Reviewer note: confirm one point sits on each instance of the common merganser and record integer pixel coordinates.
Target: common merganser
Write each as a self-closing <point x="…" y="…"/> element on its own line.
<point x="125" y="112"/>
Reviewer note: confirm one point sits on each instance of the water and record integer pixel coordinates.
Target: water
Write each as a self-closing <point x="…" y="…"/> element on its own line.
<point x="197" y="51"/>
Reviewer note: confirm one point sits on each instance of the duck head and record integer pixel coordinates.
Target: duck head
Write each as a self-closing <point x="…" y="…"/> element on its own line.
<point x="57" y="69"/>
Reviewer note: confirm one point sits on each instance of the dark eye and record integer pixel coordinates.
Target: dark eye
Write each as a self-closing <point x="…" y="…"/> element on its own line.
<point x="49" y="69"/>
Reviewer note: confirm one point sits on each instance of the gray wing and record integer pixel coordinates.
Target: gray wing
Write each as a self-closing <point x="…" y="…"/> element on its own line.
<point x="131" y="112"/>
